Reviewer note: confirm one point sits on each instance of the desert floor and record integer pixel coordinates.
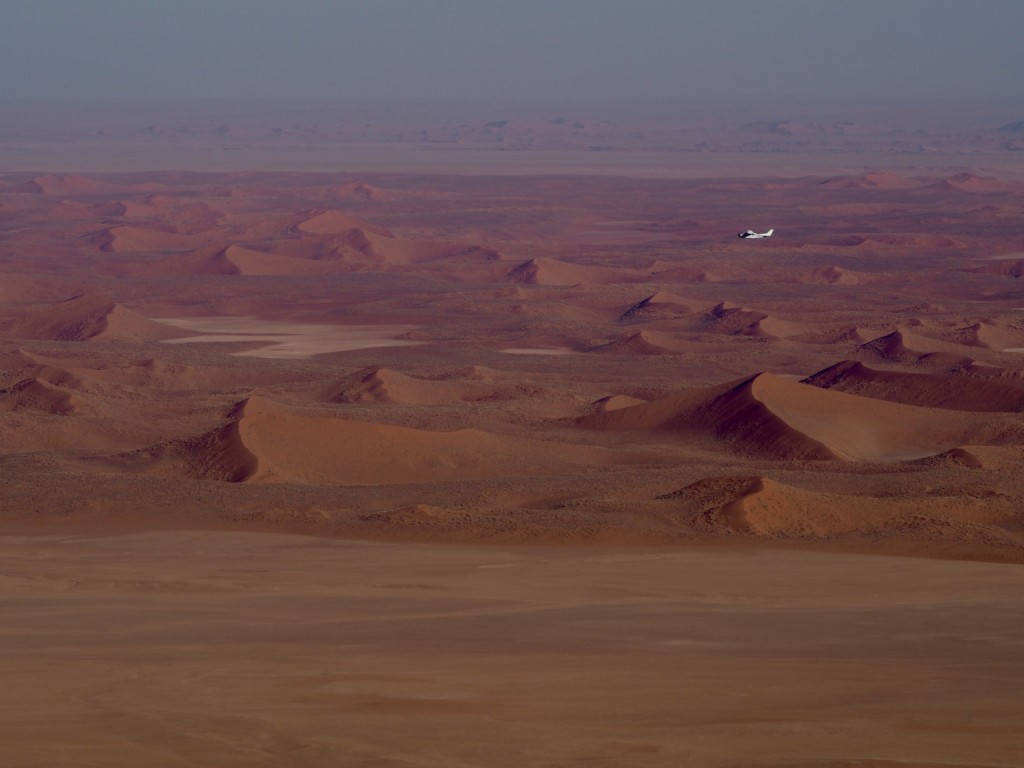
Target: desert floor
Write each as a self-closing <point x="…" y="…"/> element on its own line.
<point x="173" y="648"/>
<point x="490" y="443"/>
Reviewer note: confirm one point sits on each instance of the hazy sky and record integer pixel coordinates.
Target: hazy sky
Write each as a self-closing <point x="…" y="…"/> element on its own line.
<point x="509" y="50"/>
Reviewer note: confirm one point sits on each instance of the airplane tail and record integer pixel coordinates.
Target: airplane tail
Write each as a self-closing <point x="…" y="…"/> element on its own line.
<point x="769" y="233"/>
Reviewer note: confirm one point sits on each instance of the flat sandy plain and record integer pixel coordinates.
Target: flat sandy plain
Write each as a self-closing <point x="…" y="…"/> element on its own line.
<point x="511" y="452"/>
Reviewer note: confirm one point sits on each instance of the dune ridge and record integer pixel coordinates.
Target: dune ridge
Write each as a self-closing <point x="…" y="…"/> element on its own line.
<point x="784" y="419"/>
<point x="950" y="392"/>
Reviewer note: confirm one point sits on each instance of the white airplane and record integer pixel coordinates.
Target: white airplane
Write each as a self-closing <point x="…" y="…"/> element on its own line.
<point x="752" y="235"/>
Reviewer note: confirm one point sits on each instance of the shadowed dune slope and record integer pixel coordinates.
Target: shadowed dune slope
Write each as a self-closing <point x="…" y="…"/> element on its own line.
<point x="961" y="393"/>
<point x="657" y="306"/>
<point x="784" y="419"/>
<point x="891" y="346"/>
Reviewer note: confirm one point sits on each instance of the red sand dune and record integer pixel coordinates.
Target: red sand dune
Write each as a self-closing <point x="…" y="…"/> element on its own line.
<point x="731" y="319"/>
<point x="269" y="443"/>
<point x="377" y="384"/>
<point x="764" y="508"/>
<point x="230" y="260"/>
<point x="961" y="393"/>
<point x="893" y="346"/>
<point x="336" y="236"/>
<point x="928" y="338"/>
<point x="37" y="394"/>
<point x="87" y="317"/>
<point x="657" y="306"/>
<point x="485" y="266"/>
<point x="140" y="240"/>
<point x="552" y="272"/>
<point x="790" y="420"/>
<point x="645" y="342"/>
<point x="768" y="508"/>
<point x="989" y="335"/>
<point x="16" y="366"/>
<point x="336" y="223"/>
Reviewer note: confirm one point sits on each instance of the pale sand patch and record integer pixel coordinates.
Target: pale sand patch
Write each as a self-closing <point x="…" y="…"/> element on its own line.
<point x="538" y="351"/>
<point x="290" y="340"/>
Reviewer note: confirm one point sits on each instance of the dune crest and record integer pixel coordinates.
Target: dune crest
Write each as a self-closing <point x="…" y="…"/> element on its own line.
<point x="891" y="346"/>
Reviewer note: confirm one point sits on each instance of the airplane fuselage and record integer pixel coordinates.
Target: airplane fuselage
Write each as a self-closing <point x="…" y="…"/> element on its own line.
<point x="752" y="235"/>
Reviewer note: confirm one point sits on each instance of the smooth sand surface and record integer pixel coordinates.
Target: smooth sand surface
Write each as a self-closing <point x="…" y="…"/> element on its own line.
<point x="227" y="649"/>
<point x="289" y="340"/>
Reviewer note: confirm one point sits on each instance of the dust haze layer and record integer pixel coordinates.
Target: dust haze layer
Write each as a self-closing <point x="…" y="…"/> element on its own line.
<point x="466" y="50"/>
